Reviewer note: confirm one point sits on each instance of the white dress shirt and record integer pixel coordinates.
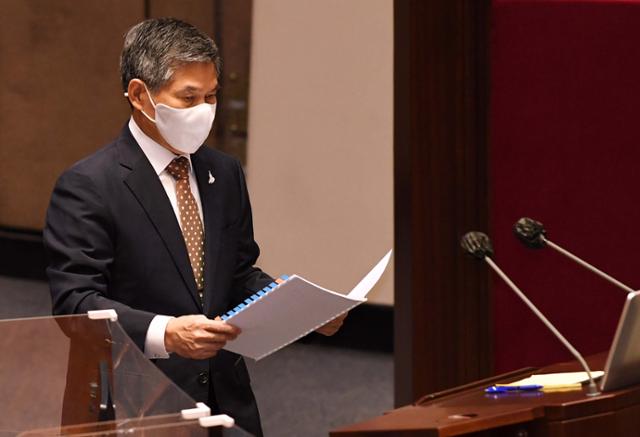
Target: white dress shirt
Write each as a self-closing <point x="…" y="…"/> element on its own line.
<point x="160" y="158"/>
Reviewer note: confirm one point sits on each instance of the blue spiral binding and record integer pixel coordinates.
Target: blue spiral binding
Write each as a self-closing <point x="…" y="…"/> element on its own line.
<point x="253" y="298"/>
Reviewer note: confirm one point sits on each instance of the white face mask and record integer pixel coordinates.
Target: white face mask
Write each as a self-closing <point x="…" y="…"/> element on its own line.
<point x="184" y="129"/>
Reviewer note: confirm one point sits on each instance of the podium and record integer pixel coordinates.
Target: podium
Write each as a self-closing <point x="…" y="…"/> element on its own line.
<point x="469" y="411"/>
<point x="76" y="375"/>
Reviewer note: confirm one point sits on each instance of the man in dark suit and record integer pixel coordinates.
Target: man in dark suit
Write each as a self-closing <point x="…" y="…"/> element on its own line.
<point x="159" y="228"/>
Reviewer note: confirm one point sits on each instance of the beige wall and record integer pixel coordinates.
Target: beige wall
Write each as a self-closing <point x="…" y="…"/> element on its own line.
<point x="320" y="138"/>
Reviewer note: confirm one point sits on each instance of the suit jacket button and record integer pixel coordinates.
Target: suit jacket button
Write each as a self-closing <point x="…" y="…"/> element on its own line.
<point x="203" y="378"/>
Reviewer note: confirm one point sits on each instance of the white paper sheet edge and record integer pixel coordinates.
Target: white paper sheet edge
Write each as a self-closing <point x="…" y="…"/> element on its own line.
<point x="363" y="288"/>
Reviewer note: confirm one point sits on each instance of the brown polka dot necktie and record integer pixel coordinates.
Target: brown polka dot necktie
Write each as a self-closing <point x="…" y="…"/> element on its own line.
<point x="189" y="219"/>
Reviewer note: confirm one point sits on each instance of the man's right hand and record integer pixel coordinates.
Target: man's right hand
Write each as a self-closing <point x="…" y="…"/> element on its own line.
<point x="197" y="337"/>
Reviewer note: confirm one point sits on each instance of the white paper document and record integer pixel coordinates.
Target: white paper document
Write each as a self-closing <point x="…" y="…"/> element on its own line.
<point x="557" y="380"/>
<point x="291" y="310"/>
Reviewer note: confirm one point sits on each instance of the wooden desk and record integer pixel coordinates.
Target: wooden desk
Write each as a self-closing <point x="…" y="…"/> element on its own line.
<point x="469" y="411"/>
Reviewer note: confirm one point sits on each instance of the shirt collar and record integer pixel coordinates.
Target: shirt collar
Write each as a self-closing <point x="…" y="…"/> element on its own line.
<point x="158" y="156"/>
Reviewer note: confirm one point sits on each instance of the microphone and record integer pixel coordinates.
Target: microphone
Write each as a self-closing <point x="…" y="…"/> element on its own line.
<point x="533" y="235"/>
<point x="478" y="245"/>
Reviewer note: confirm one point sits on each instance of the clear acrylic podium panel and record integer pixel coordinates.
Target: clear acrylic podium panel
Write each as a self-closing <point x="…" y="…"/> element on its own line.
<point x="71" y="375"/>
<point x="163" y="426"/>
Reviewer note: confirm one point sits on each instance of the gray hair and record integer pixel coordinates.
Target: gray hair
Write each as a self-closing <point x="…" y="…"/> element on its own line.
<point x="154" y="48"/>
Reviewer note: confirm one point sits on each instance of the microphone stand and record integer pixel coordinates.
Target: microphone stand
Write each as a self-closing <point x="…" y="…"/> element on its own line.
<point x="592" y="388"/>
<point x="586" y="265"/>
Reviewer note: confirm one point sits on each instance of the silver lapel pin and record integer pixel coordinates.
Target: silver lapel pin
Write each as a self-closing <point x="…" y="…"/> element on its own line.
<point x="211" y="178"/>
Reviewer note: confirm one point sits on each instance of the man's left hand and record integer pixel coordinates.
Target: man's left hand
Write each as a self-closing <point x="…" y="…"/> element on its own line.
<point x="333" y="326"/>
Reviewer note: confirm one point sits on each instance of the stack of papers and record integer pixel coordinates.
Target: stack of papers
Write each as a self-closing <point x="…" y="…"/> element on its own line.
<point x="556" y="381"/>
<point x="286" y="311"/>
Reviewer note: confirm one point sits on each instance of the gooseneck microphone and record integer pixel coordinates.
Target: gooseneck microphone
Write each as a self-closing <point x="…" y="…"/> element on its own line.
<point x="478" y="245"/>
<point x="533" y="235"/>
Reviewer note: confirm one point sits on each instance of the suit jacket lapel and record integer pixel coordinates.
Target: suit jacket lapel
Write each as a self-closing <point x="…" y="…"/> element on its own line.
<point x="145" y="185"/>
<point x="211" y="211"/>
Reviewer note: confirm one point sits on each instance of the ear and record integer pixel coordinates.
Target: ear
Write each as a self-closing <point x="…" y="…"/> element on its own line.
<point x="138" y="95"/>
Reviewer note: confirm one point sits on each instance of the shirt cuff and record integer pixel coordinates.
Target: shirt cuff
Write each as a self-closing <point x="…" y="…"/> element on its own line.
<point x="154" y="342"/>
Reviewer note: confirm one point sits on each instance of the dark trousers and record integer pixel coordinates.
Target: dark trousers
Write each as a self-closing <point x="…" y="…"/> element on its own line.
<point x="253" y="427"/>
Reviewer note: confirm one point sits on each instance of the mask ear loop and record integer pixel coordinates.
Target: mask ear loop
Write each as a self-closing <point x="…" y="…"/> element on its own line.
<point x="126" y="94"/>
<point x="152" y="103"/>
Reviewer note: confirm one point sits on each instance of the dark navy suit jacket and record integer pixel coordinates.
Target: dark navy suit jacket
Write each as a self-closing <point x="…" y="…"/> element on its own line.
<point x="114" y="241"/>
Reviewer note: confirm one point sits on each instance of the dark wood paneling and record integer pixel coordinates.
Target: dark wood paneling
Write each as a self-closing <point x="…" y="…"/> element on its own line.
<point x="200" y="13"/>
<point x="60" y="93"/>
<point x="233" y="31"/>
<point x="470" y="412"/>
<point x="442" y="303"/>
<point x="60" y="78"/>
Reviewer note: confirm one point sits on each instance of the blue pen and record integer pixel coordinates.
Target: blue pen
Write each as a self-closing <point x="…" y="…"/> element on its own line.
<point x="511" y="388"/>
